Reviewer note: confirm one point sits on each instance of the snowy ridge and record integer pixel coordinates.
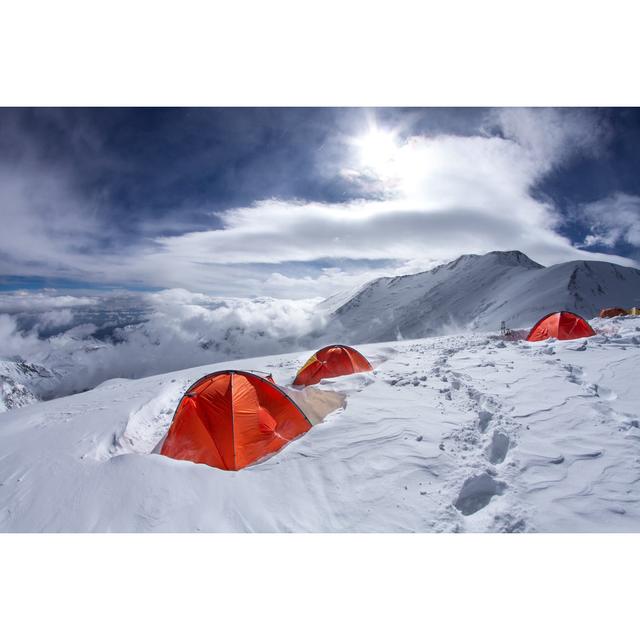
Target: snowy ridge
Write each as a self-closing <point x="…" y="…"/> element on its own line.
<point x="477" y="293"/>
<point x="20" y="383"/>
<point x="456" y="433"/>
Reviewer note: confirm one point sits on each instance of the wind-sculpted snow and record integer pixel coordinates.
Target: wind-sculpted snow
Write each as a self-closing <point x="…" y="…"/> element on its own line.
<point x="457" y="433"/>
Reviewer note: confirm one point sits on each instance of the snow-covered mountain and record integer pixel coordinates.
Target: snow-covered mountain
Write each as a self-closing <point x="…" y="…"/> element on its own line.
<point x="22" y="383"/>
<point x="461" y="433"/>
<point x="477" y="292"/>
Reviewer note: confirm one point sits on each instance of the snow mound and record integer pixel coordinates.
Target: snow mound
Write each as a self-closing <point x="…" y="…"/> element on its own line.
<point x="147" y="426"/>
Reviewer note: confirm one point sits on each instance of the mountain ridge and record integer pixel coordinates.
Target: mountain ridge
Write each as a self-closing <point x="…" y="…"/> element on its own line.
<point x="478" y="292"/>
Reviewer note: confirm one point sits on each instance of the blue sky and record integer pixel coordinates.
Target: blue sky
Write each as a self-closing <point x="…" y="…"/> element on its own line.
<point x="304" y="202"/>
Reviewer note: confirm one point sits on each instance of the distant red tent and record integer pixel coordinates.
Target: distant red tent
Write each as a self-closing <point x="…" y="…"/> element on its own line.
<point x="331" y="362"/>
<point x="612" y="312"/>
<point x="230" y="419"/>
<point x="562" y="325"/>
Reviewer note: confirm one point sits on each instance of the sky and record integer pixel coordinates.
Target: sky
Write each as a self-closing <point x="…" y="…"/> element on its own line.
<point x="300" y="203"/>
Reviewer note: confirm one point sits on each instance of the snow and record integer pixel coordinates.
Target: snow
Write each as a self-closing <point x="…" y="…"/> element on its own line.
<point x="465" y="432"/>
<point x="18" y="380"/>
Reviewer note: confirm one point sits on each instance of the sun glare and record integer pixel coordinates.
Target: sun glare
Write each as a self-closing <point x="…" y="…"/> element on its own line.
<point x="378" y="151"/>
<point x="399" y="164"/>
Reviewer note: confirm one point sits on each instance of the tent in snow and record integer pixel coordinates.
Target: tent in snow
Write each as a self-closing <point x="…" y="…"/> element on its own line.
<point x="612" y="312"/>
<point x="634" y="311"/>
<point x="562" y="325"/>
<point x="331" y="362"/>
<point x="230" y="419"/>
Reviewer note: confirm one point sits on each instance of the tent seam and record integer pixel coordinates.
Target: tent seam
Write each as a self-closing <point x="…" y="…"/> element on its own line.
<point x="233" y="424"/>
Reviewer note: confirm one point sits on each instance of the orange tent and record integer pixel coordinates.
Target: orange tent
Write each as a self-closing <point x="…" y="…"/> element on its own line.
<point x="331" y="362"/>
<point x="562" y="325"/>
<point x="230" y="419"/>
<point x="612" y="312"/>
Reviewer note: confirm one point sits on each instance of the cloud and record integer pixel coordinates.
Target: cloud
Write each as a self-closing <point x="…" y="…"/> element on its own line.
<point x="177" y="329"/>
<point x="457" y="194"/>
<point x="55" y="319"/>
<point x="47" y="228"/>
<point x="443" y="195"/>
<point x="612" y="220"/>
<point x="329" y="280"/>
<point x="552" y="135"/>
<point x="25" y="301"/>
<point x="12" y="341"/>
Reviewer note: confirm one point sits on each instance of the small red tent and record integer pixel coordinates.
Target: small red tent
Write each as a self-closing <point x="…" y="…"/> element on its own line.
<point x="562" y="325"/>
<point x="230" y="419"/>
<point x="612" y="312"/>
<point x="331" y="362"/>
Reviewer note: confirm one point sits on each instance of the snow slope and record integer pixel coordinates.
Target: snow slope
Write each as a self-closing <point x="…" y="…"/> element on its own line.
<point x="477" y="293"/>
<point x="455" y="433"/>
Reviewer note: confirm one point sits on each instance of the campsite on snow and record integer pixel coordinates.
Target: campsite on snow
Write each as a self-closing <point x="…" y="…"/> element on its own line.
<point x="482" y="395"/>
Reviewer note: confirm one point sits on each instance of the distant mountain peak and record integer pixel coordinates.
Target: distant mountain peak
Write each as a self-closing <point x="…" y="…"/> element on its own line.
<point x="508" y="258"/>
<point x="515" y="257"/>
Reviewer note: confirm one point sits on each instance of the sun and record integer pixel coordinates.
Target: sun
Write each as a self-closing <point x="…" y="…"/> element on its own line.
<point x="396" y="163"/>
<point x="378" y="150"/>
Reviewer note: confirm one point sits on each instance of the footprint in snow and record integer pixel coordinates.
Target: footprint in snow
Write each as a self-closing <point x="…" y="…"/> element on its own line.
<point x="484" y="418"/>
<point x="476" y="493"/>
<point x="498" y="448"/>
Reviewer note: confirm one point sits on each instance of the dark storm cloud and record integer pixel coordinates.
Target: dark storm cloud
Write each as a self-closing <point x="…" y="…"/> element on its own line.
<point x="142" y="165"/>
<point x="136" y="165"/>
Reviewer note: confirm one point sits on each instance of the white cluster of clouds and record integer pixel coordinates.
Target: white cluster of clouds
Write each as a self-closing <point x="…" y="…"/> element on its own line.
<point x="452" y="194"/>
<point x="47" y="228"/>
<point x="43" y="300"/>
<point x="552" y="136"/>
<point x="612" y="220"/>
<point x="177" y="330"/>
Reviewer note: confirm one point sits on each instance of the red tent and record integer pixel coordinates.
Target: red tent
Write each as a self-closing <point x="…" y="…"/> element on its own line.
<point x="331" y="362"/>
<point x="230" y="419"/>
<point x="612" y="312"/>
<point x="562" y="325"/>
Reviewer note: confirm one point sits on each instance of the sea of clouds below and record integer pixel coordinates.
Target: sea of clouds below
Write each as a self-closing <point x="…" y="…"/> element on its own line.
<point x="87" y="339"/>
